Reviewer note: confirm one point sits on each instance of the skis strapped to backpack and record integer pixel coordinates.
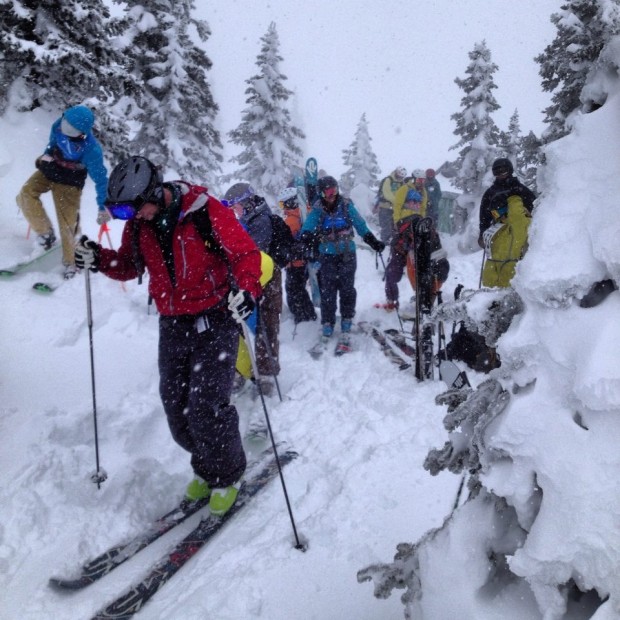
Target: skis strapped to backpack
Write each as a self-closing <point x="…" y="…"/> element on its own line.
<point x="424" y="297"/>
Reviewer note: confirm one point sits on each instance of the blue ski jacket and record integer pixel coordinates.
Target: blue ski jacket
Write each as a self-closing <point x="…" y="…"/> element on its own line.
<point x="71" y="156"/>
<point x="335" y="228"/>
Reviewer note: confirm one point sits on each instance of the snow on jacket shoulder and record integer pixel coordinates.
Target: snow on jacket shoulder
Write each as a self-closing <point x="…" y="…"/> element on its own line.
<point x="201" y="279"/>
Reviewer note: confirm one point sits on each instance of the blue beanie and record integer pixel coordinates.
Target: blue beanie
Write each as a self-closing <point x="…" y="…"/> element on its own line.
<point x="80" y="117"/>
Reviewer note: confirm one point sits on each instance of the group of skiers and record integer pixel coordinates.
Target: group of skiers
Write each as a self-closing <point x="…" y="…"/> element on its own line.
<point x="213" y="264"/>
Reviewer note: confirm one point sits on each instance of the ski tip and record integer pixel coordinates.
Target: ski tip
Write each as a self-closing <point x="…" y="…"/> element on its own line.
<point x="64" y="585"/>
<point x="42" y="287"/>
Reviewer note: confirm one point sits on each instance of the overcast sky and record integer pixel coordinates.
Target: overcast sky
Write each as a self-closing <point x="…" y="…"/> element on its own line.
<point x="394" y="60"/>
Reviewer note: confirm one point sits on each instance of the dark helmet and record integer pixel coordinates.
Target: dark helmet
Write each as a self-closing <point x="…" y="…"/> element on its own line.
<point x="502" y="166"/>
<point x="135" y="180"/>
<point x="325" y="183"/>
<point x="239" y="192"/>
<point x="430" y="173"/>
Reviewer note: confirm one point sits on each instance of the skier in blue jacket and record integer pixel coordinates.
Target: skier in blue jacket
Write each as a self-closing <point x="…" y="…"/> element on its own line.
<point x="331" y="224"/>
<point x="71" y="154"/>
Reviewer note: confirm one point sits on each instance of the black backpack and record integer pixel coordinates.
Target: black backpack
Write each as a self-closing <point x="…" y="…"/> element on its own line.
<point x="471" y="348"/>
<point x="282" y="242"/>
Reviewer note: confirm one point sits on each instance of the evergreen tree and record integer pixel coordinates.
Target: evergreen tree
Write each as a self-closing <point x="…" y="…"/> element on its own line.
<point x="360" y="160"/>
<point x="583" y="29"/>
<point x="269" y="141"/>
<point x="174" y="107"/>
<point x="529" y="160"/>
<point x="523" y="151"/>
<point x="479" y="138"/>
<point x="509" y="143"/>
<point x="56" y="53"/>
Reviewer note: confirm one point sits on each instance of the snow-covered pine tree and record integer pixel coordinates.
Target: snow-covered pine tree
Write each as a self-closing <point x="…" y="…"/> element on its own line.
<point x="479" y="137"/>
<point x="583" y="29"/>
<point x="176" y="108"/>
<point x="56" y="53"/>
<point x="529" y="160"/>
<point x="523" y="151"/>
<point x="270" y="143"/>
<point x="360" y="161"/>
<point x="509" y="141"/>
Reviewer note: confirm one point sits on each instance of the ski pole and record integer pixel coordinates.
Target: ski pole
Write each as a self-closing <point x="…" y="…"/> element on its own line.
<point x="484" y="254"/>
<point x="100" y="475"/>
<point x="269" y="349"/>
<point x="248" y="338"/>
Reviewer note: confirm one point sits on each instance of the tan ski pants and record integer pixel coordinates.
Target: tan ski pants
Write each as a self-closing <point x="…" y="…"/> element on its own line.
<point x="67" y="202"/>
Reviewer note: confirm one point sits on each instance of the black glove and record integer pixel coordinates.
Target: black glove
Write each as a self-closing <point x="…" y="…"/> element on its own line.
<point x="241" y="304"/>
<point x="309" y="243"/>
<point x="86" y="254"/>
<point x="373" y="242"/>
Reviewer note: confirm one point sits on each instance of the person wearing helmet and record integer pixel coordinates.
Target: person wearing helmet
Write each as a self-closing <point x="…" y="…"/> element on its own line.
<point x="204" y="272"/>
<point x="332" y="224"/>
<point x="384" y="204"/>
<point x="433" y="192"/>
<point x="495" y="198"/>
<point x="296" y="278"/>
<point x="255" y="216"/>
<point x="404" y="206"/>
<point x="71" y="154"/>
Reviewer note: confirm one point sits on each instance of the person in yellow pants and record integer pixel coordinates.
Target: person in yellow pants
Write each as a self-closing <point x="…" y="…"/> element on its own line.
<point x="72" y="153"/>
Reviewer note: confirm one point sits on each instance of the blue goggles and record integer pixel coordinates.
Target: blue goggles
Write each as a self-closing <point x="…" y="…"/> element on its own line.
<point x="238" y="199"/>
<point x="122" y="210"/>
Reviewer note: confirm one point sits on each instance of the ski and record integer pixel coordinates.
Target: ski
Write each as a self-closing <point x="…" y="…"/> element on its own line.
<point x="24" y="265"/>
<point x="316" y="352"/>
<point x="44" y="287"/>
<point x="134" y="599"/>
<point x="343" y="345"/>
<point x="423" y="297"/>
<point x="311" y="177"/>
<point x="107" y="561"/>
<point x="382" y="340"/>
<point x="400" y="340"/>
<point x="449" y="372"/>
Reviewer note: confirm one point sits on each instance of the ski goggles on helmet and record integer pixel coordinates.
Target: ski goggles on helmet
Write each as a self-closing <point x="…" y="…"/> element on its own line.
<point x="241" y="198"/>
<point x="122" y="210"/>
<point x="329" y="192"/>
<point x="128" y="209"/>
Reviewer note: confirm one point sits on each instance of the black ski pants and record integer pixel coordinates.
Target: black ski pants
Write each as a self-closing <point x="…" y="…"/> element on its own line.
<point x="297" y="296"/>
<point x="196" y="370"/>
<point x="393" y="274"/>
<point x="337" y="278"/>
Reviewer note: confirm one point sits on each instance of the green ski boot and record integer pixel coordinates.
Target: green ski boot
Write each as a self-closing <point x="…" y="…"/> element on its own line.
<point x="197" y="489"/>
<point x="222" y="499"/>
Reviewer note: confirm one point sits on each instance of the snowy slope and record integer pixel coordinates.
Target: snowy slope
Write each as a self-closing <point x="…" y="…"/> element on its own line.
<point x="362" y="429"/>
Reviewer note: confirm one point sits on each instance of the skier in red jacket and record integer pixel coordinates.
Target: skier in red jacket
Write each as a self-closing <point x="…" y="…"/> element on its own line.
<point x="204" y="279"/>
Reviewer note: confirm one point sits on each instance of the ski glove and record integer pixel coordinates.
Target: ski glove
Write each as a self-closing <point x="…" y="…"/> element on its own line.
<point x="488" y="234"/>
<point x="87" y="254"/>
<point x="241" y="304"/>
<point x="373" y="242"/>
<point x="103" y="217"/>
